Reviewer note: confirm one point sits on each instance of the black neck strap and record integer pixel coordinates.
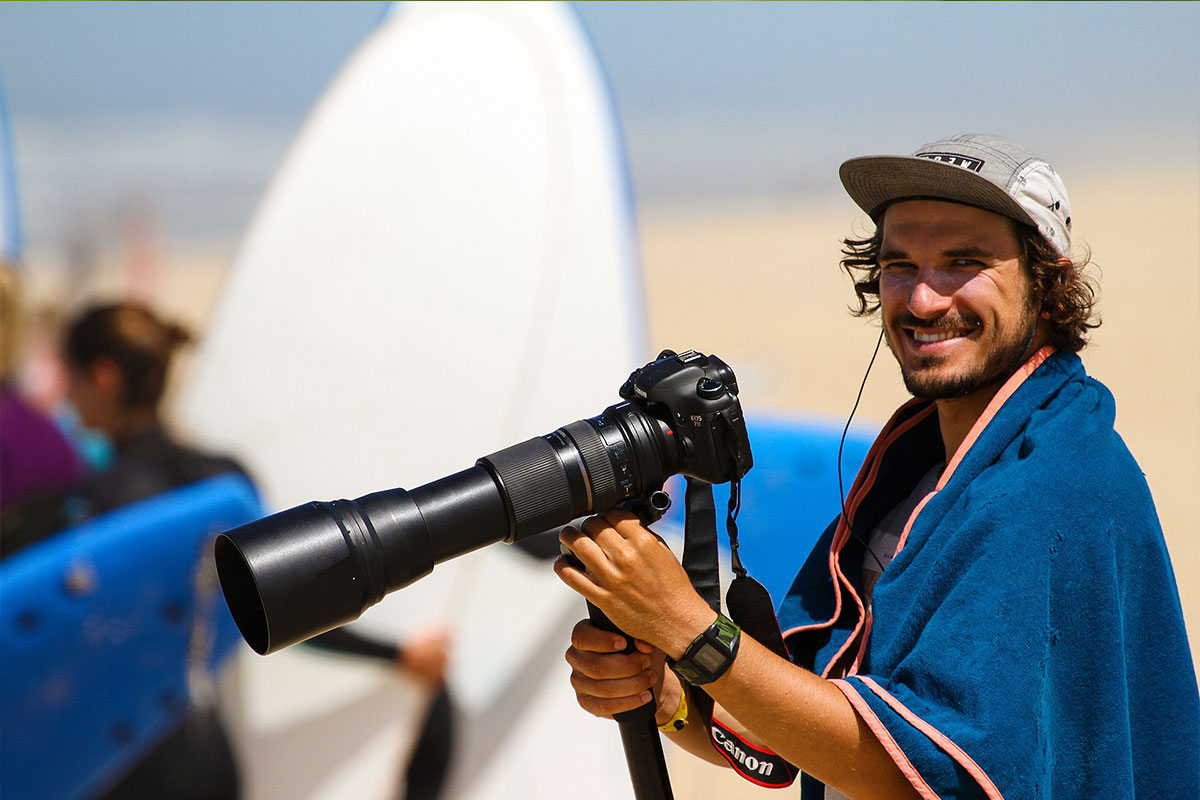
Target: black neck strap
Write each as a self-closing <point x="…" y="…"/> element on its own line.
<point x="700" y="554"/>
<point x="750" y="607"/>
<point x="748" y="600"/>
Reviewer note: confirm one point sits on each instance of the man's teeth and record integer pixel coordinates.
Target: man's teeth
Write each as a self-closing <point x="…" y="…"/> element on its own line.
<point x="937" y="337"/>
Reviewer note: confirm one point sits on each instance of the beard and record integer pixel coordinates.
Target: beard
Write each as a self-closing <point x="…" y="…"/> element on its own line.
<point x="999" y="361"/>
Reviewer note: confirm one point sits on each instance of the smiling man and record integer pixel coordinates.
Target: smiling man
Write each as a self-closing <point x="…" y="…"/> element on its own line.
<point x="994" y="614"/>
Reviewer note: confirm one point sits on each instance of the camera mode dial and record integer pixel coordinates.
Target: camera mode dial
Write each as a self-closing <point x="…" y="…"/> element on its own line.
<point x="710" y="388"/>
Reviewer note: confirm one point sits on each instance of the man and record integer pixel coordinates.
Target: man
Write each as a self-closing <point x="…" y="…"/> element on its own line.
<point x="996" y="615"/>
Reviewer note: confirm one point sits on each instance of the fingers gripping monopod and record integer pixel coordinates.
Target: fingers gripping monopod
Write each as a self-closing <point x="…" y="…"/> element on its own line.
<point x="639" y="732"/>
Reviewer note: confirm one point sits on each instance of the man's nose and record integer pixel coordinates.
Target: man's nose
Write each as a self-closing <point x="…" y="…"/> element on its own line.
<point x="929" y="298"/>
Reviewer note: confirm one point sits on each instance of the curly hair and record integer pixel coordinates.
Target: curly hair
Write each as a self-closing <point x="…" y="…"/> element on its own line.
<point x="1068" y="295"/>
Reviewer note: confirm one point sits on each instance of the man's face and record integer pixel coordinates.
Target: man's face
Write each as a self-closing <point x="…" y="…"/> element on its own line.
<point x="954" y="297"/>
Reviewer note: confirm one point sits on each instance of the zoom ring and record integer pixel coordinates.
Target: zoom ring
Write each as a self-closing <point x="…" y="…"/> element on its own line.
<point x="536" y="485"/>
<point x="596" y="462"/>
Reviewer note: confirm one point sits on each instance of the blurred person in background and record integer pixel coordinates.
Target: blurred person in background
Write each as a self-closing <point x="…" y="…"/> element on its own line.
<point x="118" y="357"/>
<point x="424" y="658"/>
<point x="38" y="465"/>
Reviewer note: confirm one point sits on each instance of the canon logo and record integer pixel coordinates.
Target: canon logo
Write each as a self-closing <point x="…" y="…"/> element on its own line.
<point x="750" y="763"/>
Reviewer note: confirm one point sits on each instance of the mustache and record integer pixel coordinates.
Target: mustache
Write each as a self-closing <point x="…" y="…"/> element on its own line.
<point x="945" y="321"/>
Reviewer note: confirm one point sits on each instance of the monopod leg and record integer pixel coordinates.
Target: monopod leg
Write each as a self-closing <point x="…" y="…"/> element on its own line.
<point x="639" y="735"/>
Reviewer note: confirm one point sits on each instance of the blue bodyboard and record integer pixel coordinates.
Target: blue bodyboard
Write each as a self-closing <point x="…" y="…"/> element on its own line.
<point x="789" y="496"/>
<point x="98" y="628"/>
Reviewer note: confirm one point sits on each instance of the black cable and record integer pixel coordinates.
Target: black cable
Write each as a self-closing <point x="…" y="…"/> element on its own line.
<point x="842" y="443"/>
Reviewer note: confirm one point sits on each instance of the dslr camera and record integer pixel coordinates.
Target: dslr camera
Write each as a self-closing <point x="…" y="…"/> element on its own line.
<point x="295" y="574"/>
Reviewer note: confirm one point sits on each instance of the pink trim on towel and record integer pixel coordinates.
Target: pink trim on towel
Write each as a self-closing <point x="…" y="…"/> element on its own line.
<point x="937" y="737"/>
<point x="874" y="460"/>
<point x="846" y="645"/>
<point x="913" y="518"/>
<point x="1001" y="397"/>
<point x="993" y="407"/>
<point x="885" y="738"/>
<point x="862" y="650"/>
<point x="844" y="534"/>
<point x="858" y="490"/>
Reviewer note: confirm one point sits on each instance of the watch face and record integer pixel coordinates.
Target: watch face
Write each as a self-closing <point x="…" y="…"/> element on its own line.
<point x="709" y="658"/>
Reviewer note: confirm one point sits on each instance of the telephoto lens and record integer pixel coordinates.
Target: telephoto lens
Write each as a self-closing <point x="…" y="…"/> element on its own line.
<point x="301" y="572"/>
<point x="295" y="574"/>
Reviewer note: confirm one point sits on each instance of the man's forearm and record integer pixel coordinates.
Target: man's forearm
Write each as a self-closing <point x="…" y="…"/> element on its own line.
<point x="638" y="583"/>
<point x="808" y="721"/>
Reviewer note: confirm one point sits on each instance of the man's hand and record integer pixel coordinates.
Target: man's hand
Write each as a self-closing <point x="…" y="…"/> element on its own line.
<point x="608" y="681"/>
<point x="635" y="579"/>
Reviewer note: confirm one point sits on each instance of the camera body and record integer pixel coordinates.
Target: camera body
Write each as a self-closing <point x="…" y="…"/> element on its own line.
<point x="697" y="394"/>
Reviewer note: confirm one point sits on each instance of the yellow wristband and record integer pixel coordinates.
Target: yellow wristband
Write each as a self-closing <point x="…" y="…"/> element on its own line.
<point x="679" y="721"/>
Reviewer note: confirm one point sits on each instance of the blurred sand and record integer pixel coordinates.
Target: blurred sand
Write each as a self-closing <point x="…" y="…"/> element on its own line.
<point x="757" y="282"/>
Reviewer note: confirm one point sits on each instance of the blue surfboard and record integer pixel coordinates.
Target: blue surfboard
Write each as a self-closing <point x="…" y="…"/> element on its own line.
<point x="106" y="632"/>
<point x="788" y="497"/>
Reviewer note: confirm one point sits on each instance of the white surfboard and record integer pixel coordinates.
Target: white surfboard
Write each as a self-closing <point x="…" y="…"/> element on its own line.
<point x="444" y="265"/>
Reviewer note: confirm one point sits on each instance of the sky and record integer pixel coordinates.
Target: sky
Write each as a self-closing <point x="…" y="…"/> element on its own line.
<point x="190" y="106"/>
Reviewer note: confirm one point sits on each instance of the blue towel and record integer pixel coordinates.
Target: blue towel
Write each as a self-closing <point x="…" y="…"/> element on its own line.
<point x="1027" y="641"/>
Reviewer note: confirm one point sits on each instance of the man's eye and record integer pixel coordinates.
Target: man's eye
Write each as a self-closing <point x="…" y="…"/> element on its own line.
<point x="968" y="262"/>
<point x="897" y="266"/>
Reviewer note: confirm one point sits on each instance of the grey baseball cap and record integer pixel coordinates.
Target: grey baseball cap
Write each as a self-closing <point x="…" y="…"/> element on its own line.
<point x="985" y="171"/>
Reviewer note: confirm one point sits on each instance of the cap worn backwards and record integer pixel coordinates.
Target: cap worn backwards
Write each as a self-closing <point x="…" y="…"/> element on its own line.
<point x="981" y="170"/>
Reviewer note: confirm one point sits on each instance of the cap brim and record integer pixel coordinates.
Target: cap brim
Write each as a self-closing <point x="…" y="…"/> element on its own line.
<point x="875" y="181"/>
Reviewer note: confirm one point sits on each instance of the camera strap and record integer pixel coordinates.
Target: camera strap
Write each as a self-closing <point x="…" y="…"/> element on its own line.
<point x="749" y="606"/>
<point x="700" y="542"/>
<point x="748" y="601"/>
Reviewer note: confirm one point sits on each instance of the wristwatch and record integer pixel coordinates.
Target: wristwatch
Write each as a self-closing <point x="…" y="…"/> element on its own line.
<point x="710" y="653"/>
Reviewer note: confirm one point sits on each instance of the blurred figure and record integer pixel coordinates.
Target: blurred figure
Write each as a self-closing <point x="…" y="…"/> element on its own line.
<point x="424" y="658"/>
<point x="117" y="358"/>
<point x="38" y="466"/>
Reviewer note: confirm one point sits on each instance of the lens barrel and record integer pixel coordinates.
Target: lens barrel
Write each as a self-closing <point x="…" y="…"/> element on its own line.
<point x="295" y="574"/>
